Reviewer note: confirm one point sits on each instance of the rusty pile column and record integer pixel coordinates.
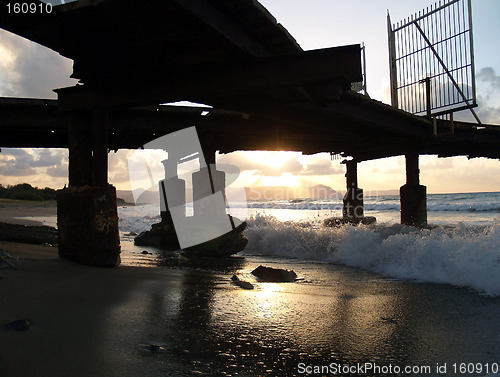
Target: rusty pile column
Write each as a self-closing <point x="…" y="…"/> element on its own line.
<point x="413" y="195"/>
<point x="87" y="216"/>
<point x="353" y="208"/>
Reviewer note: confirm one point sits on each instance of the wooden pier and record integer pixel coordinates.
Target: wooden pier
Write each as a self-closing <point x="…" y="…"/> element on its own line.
<point x="264" y="93"/>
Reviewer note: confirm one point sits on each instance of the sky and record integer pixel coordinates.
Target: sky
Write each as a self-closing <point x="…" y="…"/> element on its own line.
<point x="29" y="70"/>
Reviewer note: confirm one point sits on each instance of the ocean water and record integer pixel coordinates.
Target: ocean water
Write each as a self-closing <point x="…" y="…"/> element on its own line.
<point x="460" y="248"/>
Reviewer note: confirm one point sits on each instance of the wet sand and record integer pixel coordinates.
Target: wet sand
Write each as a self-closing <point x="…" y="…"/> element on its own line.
<point x="79" y="323"/>
<point x="189" y="319"/>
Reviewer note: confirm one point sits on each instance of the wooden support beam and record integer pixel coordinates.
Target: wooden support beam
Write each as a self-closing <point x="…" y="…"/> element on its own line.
<point x="359" y="110"/>
<point x="337" y="64"/>
<point x="99" y="131"/>
<point x="412" y="169"/>
<point x="224" y="25"/>
<point x="351" y="174"/>
<point x="80" y="154"/>
<point x="36" y="123"/>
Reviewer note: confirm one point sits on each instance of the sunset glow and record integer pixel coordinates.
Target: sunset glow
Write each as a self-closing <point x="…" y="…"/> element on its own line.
<point x="286" y="179"/>
<point x="271" y="158"/>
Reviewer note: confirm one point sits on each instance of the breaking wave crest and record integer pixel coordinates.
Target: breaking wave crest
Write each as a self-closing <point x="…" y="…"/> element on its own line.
<point x="464" y="256"/>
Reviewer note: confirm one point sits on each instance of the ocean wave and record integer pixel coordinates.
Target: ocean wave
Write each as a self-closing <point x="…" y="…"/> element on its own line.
<point x="138" y="218"/>
<point x="464" y="207"/>
<point x="462" y="256"/>
<point x="370" y="206"/>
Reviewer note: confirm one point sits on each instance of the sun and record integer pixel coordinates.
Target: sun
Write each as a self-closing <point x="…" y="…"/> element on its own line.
<point x="277" y="160"/>
<point x="272" y="158"/>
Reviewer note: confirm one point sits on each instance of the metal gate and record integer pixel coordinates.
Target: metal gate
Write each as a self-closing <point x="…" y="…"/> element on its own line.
<point x="432" y="60"/>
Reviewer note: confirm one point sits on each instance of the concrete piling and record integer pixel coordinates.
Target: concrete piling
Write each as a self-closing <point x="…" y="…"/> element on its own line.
<point x="353" y="207"/>
<point x="87" y="215"/>
<point x="413" y="195"/>
<point x="87" y="221"/>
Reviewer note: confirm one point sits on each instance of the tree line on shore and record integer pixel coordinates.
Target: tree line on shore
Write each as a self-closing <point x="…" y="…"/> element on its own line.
<point x="24" y="191"/>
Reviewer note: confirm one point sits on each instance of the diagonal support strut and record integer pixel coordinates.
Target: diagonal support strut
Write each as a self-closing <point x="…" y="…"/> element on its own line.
<point x="446" y="70"/>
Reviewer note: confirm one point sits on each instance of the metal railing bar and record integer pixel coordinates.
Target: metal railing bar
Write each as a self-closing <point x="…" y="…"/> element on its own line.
<point x="435" y="76"/>
<point x="444" y="66"/>
<point x="432" y="12"/>
<point x="435" y="44"/>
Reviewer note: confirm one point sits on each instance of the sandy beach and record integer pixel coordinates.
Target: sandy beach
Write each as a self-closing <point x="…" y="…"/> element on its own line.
<point x="187" y="318"/>
<point x="20" y="211"/>
<point x="77" y="329"/>
<point x="186" y="321"/>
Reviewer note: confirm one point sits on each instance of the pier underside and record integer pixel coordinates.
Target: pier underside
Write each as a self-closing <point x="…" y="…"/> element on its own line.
<point x="372" y="130"/>
<point x="262" y="91"/>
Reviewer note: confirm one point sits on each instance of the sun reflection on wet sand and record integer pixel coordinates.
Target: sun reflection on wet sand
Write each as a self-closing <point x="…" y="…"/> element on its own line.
<point x="204" y="323"/>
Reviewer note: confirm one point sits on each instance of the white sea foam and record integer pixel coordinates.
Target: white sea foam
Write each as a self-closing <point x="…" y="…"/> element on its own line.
<point x="461" y="256"/>
<point x="138" y="218"/>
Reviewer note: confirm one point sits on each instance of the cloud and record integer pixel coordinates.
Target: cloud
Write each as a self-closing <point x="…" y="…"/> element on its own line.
<point x="30" y="70"/>
<point x="28" y="162"/>
<point x="11" y="156"/>
<point x="60" y="171"/>
<point x="488" y="114"/>
<point x="14" y="152"/>
<point x="118" y="166"/>
<point x="489" y="76"/>
<point x="488" y="98"/>
<point x="322" y="167"/>
<point x="49" y="157"/>
<point x="35" y="158"/>
<point x="244" y="162"/>
<point x="437" y="163"/>
<point x="479" y="174"/>
<point x="17" y="170"/>
<point x="296" y="164"/>
<point x="15" y="162"/>
<point x="292" y="166"/>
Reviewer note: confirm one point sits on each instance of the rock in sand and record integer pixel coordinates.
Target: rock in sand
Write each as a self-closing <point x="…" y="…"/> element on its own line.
<point x="241" y="283"/>
<point x="274" y="275"/>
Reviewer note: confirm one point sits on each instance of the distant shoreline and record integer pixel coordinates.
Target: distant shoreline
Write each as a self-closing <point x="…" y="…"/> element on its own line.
<point x="18" y="211"/>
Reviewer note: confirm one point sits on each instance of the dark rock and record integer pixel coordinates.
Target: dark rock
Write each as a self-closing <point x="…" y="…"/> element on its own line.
<point x="5" y="264"/>
<point x="274" y="275"/>
<point x="132" y="233"/>
<point x="28" y="234"/>
<point x="161" y="235"/>
<point x="145" y="252"/>
<point x="241" y="283"/>
<point x="18" y="325"/>
<point x="153" y="347"/>
<point x="339" y="221"/>
<point x="388" y="320"/>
